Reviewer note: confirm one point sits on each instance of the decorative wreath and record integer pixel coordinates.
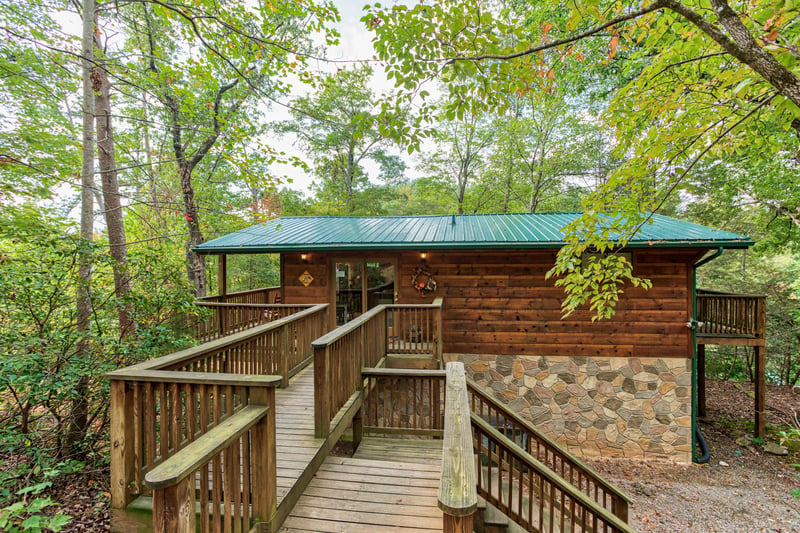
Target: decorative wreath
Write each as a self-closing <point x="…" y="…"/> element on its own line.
<point x="423" y="281"/>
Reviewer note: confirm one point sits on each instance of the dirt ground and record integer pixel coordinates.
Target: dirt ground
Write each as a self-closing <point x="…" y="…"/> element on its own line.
<point x="741" y="489"/>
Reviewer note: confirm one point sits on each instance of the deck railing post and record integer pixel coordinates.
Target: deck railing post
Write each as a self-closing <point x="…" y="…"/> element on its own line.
<point x="439" y="342"/>
<point x="174" y="508"/>
<point x="264" y="458"/>
<point x="122" y="443"/>
<point x="322" y="392"/>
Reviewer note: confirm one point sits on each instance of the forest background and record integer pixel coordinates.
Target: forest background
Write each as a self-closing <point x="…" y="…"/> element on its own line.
<point x="166" y="124"/>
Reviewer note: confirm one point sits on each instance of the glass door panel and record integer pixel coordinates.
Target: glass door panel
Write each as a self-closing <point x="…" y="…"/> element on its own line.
<point x="380" y="283"/>
<point x="349" y="288"/>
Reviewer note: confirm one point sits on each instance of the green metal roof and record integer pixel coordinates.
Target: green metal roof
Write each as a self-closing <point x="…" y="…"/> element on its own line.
<point x="489" y="231"/>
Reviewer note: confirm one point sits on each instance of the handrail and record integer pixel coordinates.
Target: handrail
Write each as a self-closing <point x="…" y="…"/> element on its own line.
<point x="181" y="376"/>
<point x="346" y="328"/>
<point x="195" y="454"/>
<point x="265" y="290"/>
<point x="232" y="468"/>
<point x="339" y="356"/>
<point x="402" y="372"/>
<point x="458" y="496"/>
<point x="156" y="413"/>
<point x="176" y="358"/>
<point x="546" y="450"/>
<point x="730" y="315"/>
<point x="251" y="306"/>
<point x="526" y="461"/>
<point x="711" y="292"/>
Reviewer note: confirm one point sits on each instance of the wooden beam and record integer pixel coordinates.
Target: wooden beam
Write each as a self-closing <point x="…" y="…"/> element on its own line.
<point x="222" y="275"/>
<point x="174" y="508"/>
<point x="122" y="443"/>
<point x="458" y="497"/>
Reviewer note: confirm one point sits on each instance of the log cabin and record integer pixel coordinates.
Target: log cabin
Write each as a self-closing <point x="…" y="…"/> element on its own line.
<point x="624" y="387"/>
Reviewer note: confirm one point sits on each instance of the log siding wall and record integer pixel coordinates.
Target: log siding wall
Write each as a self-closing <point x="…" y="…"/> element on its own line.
<point x="499" y="302"/>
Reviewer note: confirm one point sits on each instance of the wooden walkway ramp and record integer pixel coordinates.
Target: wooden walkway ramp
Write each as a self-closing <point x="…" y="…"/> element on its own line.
<point x="298" y="452"/>
<point x="389" y="485"/>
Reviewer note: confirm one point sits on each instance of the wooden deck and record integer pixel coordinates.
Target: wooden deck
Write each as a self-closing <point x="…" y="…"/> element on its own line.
<point x="371" y="492"/>
<point x="296" y="446"/>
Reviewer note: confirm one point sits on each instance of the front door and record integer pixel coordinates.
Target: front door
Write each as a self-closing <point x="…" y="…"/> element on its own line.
<point x="357" y="292"/>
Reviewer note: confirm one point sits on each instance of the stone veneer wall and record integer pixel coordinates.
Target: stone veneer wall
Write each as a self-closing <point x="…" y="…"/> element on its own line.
<point x="597" y="406"/>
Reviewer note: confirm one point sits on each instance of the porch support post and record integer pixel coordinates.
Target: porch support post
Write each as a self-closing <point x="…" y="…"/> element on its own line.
<point x="761" y="369"/>
<point x="222" y="275"/>
<point x="760" y="396"/>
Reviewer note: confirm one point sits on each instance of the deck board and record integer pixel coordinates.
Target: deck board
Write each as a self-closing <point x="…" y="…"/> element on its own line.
<point x="368" y="493"/>
<point x="294" y="426"/>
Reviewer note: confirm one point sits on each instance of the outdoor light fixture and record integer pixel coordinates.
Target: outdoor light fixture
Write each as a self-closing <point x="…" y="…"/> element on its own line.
<point x="422" y="257"/>
<point x="304" y="258"/>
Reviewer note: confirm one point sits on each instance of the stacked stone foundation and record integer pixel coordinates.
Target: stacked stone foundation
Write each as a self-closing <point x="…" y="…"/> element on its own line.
<point x="637" y="408"/>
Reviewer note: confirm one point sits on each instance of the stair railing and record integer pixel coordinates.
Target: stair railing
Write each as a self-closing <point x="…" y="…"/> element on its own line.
<point x="546" y="451"/>
<point x="531" y="494"/>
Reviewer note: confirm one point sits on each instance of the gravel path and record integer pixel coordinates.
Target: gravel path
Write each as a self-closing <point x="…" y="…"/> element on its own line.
<point x="741" y="489"/>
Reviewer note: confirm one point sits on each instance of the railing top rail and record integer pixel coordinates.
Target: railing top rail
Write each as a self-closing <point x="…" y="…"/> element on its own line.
<point x="254" y="306"/>
<point x="608" y="486"/>
<point x="438" y="302"/>
<point x="216" y="344"/>
<point x="458" y="494"/>
<point x="709" y="292"/>
<point x="344" y="329"/>
<point x="551" y="476"/>
<point x="241" y="293"/>
<point x="208" y="378"/>
<point x="199" y="452"/>
<point x="401" y="372"/>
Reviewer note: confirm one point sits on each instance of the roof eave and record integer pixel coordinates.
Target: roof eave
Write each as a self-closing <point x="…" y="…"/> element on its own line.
<point x="393" y="247"/>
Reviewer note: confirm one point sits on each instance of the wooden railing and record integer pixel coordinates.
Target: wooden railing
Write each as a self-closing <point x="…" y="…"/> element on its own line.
<point x="263" y="295"/>
<point x="363" y="342"/>
<point x="415" y="329"/>
<point x="520" y="471"/>
<point x="458" y="498"/>
<point x="730" y="315"/>
<point x="547" y="452"/>
<point x="403" y="401"/>
<point x="155" y="414"/>
<point x="281" y="347"/>
<point x="531" y="494"/>
<point x="231" y="467"/>
<point x="227" y="318"/>
<point x="159" y="407"/>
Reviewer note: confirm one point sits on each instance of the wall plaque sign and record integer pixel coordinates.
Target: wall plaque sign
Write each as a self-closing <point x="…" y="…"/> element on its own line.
<point x="306" y="278"/>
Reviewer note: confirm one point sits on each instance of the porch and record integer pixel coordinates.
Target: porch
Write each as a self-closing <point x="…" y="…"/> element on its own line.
<point x="736" y="320"/>
<point x="224" y="436"/>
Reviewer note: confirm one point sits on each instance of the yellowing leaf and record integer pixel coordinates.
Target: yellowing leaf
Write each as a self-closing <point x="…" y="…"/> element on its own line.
<point x="612" y="47"/>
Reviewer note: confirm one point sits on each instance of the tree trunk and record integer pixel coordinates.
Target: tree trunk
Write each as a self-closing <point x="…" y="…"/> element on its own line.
<point x="79" y="411"/>
<point x="118" y="248"/>
<point x="195" y="263"/>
